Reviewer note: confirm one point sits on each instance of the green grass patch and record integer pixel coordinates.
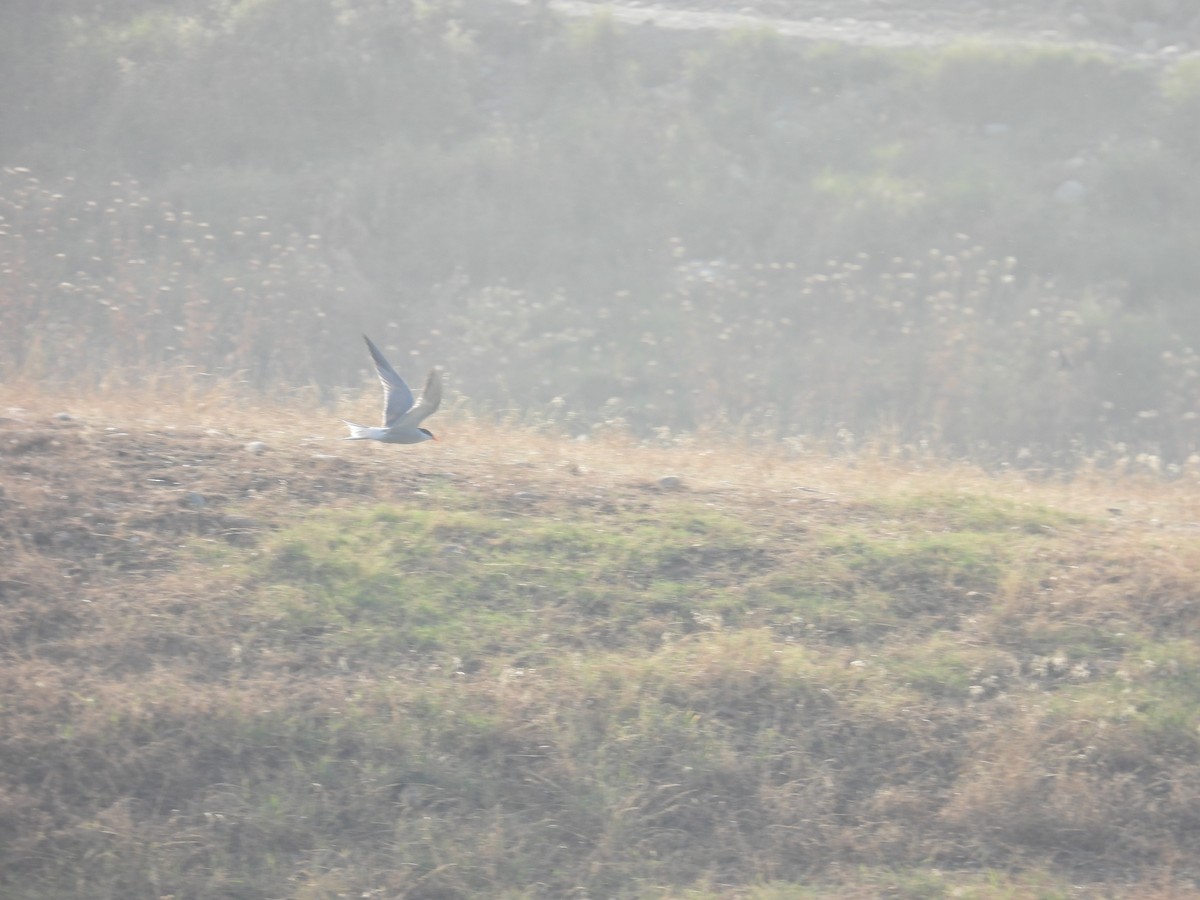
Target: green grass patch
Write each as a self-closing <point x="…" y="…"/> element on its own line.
<point x="921" y="580"/>
<point x="404" y="581"/>
<point x="975" y="512"/>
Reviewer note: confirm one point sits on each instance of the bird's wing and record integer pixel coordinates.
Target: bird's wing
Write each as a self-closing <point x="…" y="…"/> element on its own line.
<point x="431" y="399"/>
<point x="397" y="397"/>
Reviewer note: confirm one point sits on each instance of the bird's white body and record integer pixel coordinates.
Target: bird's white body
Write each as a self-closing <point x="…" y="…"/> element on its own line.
<point x="402" y="417"/>
<point x="387" y="435"/>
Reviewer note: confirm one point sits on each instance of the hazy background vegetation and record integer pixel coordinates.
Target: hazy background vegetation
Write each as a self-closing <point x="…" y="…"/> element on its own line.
<point x="989" y="250"/>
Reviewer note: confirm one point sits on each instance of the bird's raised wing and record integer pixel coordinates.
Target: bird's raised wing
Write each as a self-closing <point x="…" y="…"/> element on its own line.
<point x="431" y="399"/>
<point x="397" y="396"/>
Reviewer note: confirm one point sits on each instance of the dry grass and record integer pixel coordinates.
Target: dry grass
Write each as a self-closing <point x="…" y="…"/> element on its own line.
<point x="509" y="664"/>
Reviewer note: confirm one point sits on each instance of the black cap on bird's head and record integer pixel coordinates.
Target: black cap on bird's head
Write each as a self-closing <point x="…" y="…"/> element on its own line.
<point x="428" y="432"/>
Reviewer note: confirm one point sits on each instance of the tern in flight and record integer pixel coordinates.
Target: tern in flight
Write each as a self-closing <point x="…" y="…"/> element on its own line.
<point x="401" y="416"/>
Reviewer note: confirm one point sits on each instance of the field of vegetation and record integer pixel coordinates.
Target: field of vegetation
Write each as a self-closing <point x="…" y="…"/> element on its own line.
<point x="985" y="249"/>
<point x="816" y="507"/>
<point x="510" y="664"/>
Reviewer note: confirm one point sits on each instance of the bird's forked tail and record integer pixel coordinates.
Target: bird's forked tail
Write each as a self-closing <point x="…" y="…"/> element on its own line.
<point x="357" y="432"/>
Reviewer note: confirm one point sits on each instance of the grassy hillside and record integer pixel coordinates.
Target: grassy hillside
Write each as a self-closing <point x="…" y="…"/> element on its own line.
<point x="512" y="665"/>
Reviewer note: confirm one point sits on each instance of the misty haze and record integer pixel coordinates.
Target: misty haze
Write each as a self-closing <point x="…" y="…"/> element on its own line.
<point x="989" y="248"/>
<point x="812" y="511"/>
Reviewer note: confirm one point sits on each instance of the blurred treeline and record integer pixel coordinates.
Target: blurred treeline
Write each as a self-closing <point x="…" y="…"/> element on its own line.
<point x="988" y="250"/>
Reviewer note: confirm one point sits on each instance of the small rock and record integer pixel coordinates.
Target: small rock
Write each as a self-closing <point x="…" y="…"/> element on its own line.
<point x="255" y="447"/>
<point x="194" y="500"/>
<point x="64" y="417"/>
<point x="670" y="482"/>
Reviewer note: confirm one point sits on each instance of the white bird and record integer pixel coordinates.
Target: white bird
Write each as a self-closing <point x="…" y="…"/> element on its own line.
<point x="401" y="416"/>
